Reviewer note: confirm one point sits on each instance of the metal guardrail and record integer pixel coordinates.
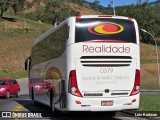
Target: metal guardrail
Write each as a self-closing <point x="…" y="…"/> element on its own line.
<point x="150" y="92"/>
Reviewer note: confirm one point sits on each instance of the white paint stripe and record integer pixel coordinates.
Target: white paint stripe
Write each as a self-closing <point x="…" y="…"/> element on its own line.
<point x="130" y="118"/>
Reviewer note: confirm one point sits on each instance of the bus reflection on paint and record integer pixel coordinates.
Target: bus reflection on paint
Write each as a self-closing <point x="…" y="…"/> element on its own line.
<point x="40" y="86"/>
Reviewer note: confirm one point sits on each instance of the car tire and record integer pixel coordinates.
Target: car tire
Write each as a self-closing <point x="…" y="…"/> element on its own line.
<point x="18" y="93"/>
<point x="7" y="94"/>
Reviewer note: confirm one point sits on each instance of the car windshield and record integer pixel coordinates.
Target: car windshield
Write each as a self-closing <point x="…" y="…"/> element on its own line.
<point x="3" y="82"/>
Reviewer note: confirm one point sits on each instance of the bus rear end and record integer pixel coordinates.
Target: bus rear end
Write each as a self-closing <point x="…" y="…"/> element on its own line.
<point x="105" y="66"/>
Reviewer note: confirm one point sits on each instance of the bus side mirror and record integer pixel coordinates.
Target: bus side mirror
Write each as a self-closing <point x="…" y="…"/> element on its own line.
<point x="27" y="63"/>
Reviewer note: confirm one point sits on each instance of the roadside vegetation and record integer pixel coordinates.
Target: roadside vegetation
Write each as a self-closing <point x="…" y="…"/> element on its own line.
<point x="16" y="41"/>
<point x="150" y="103"/>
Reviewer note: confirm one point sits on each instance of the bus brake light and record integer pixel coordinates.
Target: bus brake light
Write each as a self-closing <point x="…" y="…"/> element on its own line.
<point x="136" y="87"/>
<point x="73" y="86"/>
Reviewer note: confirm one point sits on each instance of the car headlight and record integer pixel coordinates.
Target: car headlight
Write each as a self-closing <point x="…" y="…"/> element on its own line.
<point x="37" y="86"/>
<point x="2" y="89"/>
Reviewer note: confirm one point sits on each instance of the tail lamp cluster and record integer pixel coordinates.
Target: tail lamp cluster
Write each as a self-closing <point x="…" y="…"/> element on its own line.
<point x="73" y="86"/>
<point x="136" y="87"/>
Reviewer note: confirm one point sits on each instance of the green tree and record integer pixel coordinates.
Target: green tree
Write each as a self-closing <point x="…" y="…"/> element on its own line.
<point x="95" y="5"/>
<point x="58" y="11"/>
<point x="15" y="4"/>
<point x="53" y="11"/>
<point x="3" y="7"/>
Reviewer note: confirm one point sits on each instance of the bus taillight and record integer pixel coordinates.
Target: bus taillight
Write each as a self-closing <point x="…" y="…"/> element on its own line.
<point x="136" y="87"/>
<point x="73" y="86"/>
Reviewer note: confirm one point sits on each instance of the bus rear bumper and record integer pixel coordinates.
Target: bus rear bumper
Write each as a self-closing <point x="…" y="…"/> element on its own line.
<point x="95" y="104"/>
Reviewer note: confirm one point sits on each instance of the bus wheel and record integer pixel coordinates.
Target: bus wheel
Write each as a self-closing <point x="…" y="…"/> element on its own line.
<point x="52" y="107"/>
<point x="33" y="97"/>
<point x="32" y="94"/>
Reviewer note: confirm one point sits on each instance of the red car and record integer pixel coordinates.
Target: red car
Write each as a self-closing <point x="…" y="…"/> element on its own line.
<point x="8" y="87"/>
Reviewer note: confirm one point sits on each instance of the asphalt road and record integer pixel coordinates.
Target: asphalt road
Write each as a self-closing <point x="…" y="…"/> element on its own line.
<point x="23" y="82"/>
<point x="24" y="104"/>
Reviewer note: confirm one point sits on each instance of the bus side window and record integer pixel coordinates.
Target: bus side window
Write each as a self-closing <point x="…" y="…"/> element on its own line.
<point x="51" y="47"/>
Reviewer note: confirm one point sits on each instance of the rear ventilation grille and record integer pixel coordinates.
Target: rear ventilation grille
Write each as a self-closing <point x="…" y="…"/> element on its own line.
<point x="106" y="61"/>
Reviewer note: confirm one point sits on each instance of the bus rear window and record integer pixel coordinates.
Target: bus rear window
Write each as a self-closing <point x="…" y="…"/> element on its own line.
<point x="110" y="29"/>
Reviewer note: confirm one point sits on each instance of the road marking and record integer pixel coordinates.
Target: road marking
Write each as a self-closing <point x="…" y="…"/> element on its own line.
<point x="130" y="118"/>
<point x="17" y="108"/>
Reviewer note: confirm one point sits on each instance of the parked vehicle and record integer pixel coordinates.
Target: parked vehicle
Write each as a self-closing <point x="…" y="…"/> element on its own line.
<point x="8" y="87"/>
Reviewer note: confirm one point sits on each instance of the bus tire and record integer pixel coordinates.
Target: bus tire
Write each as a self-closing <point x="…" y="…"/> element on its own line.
<point x="33" y="97"/>
<point x="52" y="106"/>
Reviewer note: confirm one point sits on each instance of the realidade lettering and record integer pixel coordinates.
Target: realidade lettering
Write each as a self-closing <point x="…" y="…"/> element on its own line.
<point x="105" y="49"/>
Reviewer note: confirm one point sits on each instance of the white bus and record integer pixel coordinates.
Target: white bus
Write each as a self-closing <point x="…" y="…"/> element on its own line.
<point x="87" y="63"/>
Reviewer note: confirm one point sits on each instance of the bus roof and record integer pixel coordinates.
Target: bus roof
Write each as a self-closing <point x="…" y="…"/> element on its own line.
<point x="104" y="16"/>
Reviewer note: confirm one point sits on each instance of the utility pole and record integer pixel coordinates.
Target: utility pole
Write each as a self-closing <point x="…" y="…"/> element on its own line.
<point x="113" y="7"/>
<point x="158" y="70"/>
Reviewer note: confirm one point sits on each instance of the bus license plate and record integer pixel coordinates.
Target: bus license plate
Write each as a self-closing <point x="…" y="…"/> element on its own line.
<point x="106" y="103"/>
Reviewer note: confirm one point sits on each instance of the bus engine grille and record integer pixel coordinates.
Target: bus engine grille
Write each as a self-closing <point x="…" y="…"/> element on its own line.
<point x="106" y="61"/>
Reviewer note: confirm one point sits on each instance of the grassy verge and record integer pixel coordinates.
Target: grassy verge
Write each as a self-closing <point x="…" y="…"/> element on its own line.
<point x="150" y="86"/>
<point x="17" y="75"/>
<point x="148" y="61"/>
<point x="36" y="25"/>
<point x="149" y="76"/>
<point x="16" y="42"/>
<point x="149" y="103"/>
